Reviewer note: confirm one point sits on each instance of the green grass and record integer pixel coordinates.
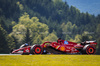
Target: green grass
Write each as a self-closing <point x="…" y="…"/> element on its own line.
<point x="50" y="60"/>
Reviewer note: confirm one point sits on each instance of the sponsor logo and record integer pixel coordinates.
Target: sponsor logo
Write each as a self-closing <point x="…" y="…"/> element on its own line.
<point x="27" y="50"/>
<point x="57" y="47"/>
<point x="62" y="48"/>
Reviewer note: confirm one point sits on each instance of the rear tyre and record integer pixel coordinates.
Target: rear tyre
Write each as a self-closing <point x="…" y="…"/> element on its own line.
<point x="89" y="50"/>
<point x="36" y="49"/>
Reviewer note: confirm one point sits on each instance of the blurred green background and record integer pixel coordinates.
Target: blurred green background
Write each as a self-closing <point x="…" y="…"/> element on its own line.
<point x="37" y="21"/>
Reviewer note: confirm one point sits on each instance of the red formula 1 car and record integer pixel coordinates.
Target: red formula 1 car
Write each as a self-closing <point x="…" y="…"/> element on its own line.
<point x="59" y="47"/>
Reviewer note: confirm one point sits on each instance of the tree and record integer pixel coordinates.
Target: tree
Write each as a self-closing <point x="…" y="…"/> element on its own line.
<point x="86" y="36"/>
<point x="98" y="38"/>
<point x="29" y="30"/>
<point x="98" y="29"/>
<point x="67" y="38"/>
<point x="3" y="41"/>
<point x="9" y="9"/>
<point x="98" y="45"/>
<point x="78" y="39"/>
<point x="27" y="36"/>
<point x="42" y="18"/>
<point x="68" y="29"/>
<point x="37" y="39"/>
<point x="18" y="34"/>
<point x="50" y="37"/>
<point x="10" y="43"/>
<point x="6" y="42"/>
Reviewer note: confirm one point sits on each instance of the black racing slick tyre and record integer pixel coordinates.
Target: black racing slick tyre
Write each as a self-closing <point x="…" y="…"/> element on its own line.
<point x="36" y="49"/>
<point x="88" y="49"/>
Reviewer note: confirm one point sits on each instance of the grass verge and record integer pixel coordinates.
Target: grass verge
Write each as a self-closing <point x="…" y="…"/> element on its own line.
<point x="50" y="60"/>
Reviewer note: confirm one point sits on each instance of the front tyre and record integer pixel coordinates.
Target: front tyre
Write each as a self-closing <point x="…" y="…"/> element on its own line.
<point x="36" y="49"/>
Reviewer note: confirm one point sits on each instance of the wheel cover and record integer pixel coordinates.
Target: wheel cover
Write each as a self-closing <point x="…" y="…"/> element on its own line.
<point x="37" y="50"/>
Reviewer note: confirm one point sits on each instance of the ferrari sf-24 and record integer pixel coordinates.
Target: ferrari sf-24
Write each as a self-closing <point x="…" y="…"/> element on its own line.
<point x="59" y="47"/>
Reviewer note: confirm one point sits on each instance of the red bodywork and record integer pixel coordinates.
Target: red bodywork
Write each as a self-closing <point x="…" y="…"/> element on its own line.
<point x="60" y="46"/>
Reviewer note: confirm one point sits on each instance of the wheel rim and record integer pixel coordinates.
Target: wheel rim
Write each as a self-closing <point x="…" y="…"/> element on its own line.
<point x="91" y="50"/>
<point x="37" y="50"/>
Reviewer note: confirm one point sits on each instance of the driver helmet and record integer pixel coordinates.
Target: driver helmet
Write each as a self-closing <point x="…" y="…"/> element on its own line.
<point x="26" y="44"/>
